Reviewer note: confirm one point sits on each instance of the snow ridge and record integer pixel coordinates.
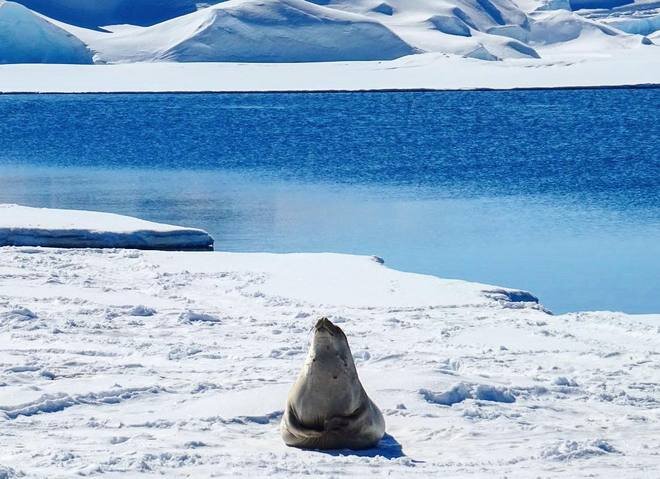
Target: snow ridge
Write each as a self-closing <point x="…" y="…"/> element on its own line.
<point x="462" y="391"/>
<point x="51" y="403"/>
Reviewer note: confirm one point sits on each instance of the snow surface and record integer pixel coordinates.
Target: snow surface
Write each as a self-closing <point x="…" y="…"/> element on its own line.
<point x="255" y="31"/>
<point x="333" y="30"/>
<point x="641" y="17"/>
<point x="640" y="66"/>
<point x="443" y="38"/>
<point x="299" y="30"/>
<point x="115" y="363"/>
<point x="26" y="226"/>
<point x="27" y="38"/>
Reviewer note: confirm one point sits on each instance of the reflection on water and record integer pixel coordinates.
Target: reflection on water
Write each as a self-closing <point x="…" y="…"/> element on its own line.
<point x="574" y="257"/>
<point x="557" y="192"/>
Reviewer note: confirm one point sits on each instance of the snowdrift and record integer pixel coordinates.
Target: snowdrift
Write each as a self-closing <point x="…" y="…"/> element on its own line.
<point x="28" y="38"/>
<point x="257" y="31"/>
<point x="25" y="226"/>
<point x="562" y="26"/>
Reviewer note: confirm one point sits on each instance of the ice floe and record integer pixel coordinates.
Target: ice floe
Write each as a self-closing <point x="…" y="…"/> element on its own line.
<point x="178" y="364"/>
<point x="26" y="226"/>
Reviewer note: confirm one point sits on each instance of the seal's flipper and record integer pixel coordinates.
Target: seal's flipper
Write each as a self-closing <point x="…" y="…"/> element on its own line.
<point x="336" y="424"/>
<point x="292" y="425"/>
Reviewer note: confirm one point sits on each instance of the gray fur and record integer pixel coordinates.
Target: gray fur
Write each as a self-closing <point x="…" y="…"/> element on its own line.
<point x="327" y="407"/>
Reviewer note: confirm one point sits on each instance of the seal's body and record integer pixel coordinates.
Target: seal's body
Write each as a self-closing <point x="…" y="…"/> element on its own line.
<point x="327" y="407"/>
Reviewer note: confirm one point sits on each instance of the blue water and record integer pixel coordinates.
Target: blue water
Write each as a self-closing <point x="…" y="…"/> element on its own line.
<point x="556" y="192"/>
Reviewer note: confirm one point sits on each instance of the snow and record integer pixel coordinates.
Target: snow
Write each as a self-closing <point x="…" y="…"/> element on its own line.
<point x="451" y="25"/>
<point x="440" y="26"/>
<point x="297" y="45"/>
<point x="117" y="362"/>
<point x="384" y="41"/>
<point x="640" y="26"/>
<point x="462" y="391"/>
<point x="26" y="226"/>
<point x="256" y="31"/>
<point x="639" y="66"/>
<point x="562" y="26"/>
<point x="299" y="30"/>
<point x="640" y="18"/>
<point x="27" y="38"/>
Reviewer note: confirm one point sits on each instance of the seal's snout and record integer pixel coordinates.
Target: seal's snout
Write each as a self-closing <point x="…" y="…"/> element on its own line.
<point x="324" y="324"/>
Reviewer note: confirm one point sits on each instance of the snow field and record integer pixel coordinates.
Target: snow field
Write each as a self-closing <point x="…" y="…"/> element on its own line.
<point x="125" y="362"/>
<point x="429" y="71"/>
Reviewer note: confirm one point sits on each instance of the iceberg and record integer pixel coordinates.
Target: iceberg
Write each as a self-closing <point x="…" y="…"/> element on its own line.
<point x="26" y="37"/>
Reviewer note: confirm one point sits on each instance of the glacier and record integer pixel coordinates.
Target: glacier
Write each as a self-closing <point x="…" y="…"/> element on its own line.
<point x="275" y="31"/>
<point x="444" y="35"/>
<point x="25" y="37"/>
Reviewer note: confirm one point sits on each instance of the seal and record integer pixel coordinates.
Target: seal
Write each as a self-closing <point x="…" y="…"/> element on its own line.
<point x="327" y="407"/>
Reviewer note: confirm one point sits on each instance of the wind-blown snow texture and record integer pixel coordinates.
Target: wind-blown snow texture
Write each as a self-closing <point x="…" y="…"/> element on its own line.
<point x="119" y="362"/>
<point x="25" y="226"/>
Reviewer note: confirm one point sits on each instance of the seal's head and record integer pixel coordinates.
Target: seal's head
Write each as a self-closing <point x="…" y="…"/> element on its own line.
<point x="329" y="367"/>
<point x="329" y="343"/>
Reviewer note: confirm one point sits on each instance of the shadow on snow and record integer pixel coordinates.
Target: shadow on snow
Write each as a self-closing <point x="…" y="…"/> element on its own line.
<point x="388" y="447"/>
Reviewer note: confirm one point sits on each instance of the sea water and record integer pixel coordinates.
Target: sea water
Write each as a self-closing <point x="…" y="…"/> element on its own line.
<point x="555" y="191"/>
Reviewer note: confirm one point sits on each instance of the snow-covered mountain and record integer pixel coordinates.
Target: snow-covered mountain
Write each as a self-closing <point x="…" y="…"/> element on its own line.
<point x="126" y="31"/>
